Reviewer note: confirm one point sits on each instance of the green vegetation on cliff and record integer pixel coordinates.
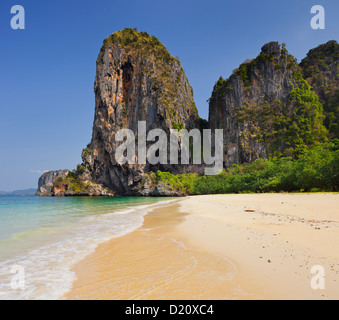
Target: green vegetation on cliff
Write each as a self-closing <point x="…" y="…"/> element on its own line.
<point x="184" y="183"/>
<point x="306" y="128"/>
<point x="284" y="127"/>
<point x="321" y="69"/>
<point x="141" y="41"/>
<point x="321" y="59"/>
<point x="245" y="70"/>
<point x="316" y="170"/>
<point x="73" y="181"/>
<point x="148" y="57"/>
<point x="290" y="129"/>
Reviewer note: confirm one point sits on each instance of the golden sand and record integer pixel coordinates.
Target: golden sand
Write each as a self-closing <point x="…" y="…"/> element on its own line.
<point x="220" y="247"/>
<point x="152" y="263"/>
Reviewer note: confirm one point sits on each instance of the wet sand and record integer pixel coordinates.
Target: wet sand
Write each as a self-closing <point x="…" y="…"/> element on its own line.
<point x="220" y="247"/>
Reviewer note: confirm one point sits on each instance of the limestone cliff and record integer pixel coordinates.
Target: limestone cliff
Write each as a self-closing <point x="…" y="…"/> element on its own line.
<point x="136" y="80"/>
<point x="266" y="107"/>
<point x="321" y="70"/>
<point x="47" y="180"/>
<point x="61" y="183"/>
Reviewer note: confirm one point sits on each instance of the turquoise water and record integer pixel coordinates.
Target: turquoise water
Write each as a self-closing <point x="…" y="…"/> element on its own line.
<point x="45" y="237"/>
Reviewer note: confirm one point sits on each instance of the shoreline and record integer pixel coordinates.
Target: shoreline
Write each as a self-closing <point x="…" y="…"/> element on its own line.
<point x="220" y="247"/>
<point x="153" y="263"/>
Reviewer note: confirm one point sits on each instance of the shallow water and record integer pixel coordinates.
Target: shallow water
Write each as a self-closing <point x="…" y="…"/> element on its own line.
<point x="42" y="238"/>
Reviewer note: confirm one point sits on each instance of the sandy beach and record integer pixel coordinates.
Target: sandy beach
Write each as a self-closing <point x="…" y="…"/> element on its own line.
<point x="258" y="246"/>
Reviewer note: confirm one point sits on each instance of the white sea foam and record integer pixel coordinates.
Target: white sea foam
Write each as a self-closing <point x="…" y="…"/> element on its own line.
<point x="47" y="268"/>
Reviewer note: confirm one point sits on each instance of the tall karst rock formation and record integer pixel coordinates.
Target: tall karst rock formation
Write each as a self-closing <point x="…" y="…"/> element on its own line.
<point x="265" y="108"/>
<point x="321" y="70"/>
<point x="136" y="80"/>
<point x="269" y="106"/>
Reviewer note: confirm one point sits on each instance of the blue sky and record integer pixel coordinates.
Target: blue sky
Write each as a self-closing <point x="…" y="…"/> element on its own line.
<point x="47" y="70"/>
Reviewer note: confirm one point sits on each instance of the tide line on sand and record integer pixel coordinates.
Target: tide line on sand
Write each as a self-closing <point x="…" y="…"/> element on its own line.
<point x="221" y="247"/>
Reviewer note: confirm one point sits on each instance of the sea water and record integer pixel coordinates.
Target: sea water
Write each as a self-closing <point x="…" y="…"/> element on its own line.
<point x="42" y="238"/>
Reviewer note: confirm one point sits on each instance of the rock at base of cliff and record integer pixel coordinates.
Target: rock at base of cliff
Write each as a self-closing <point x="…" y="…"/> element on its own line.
<point x="47" y="180"/>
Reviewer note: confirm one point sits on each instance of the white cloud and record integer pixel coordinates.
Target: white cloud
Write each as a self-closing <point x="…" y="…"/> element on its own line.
<point x="38" y="171"/>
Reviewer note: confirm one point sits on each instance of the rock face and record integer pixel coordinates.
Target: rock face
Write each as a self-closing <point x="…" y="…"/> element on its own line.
<point x="258" y="107"/>
<point x="321" y="70"/>
<point x="136" y="80"/>
<point x="47" y="180"/>
<point x="266" y="107"/>
<point x="63" y="183"/>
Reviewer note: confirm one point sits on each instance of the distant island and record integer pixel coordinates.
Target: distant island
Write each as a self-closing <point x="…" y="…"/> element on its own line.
<point x="25" y="192"/>
<point x="279" y="120"/>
